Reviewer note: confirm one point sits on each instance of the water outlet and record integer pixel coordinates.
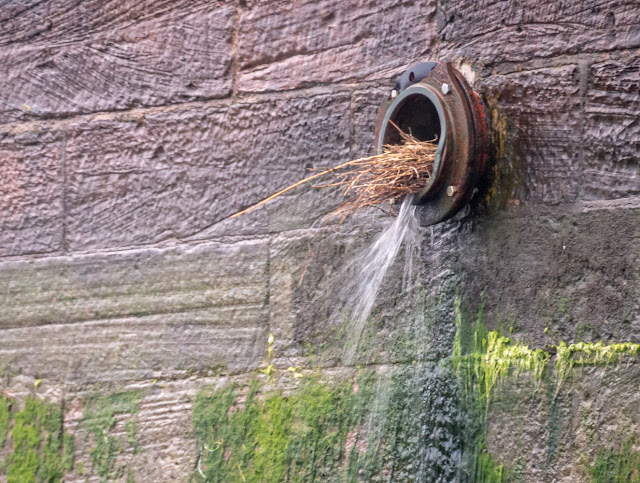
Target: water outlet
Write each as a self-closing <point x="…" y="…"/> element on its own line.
<point x="432" y="100"/>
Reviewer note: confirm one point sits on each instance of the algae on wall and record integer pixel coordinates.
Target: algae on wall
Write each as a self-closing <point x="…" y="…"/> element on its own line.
<point x="278" y="437"/>
<point x="499" y="376"/>
<point x="397" y="421"/>
<point x="377" y="427"/>
<point x="99" y="419"/>
<point x="616" y="465"/>
<point x="33" y="443"/>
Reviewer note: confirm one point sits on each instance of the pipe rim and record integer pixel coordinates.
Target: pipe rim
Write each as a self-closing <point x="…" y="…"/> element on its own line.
<point x="394" y="107"/>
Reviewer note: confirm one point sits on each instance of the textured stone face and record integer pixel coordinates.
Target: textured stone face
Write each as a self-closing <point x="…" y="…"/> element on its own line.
<point x="136" y="314"/>
<point x="31" y="191"/>
<point x="498" y="32"/>
<point x="58" y="58"/>
<point x="169" y="175"/>
<point x="130" y="131"/>
<point x="284" y="45"/>
<point x="544" y="107"/>
<point x="612" y="133"/>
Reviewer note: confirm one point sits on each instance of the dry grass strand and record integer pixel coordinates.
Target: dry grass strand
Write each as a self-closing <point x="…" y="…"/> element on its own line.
<point x="399" y="170"/>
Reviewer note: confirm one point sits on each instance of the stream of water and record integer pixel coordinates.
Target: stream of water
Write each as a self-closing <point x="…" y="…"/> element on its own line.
<point x="372" y="265"/>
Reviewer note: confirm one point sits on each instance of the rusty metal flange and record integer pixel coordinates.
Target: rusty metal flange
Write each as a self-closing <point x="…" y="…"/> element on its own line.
<point x="433" y="100"/>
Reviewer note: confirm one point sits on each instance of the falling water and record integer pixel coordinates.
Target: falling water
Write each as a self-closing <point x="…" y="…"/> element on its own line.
<point x="371" y="266"/>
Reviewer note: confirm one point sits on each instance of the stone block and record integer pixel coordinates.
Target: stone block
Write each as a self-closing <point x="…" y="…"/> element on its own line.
<point x="284" y="45"/>
<point x="575" y="274"/>
<point x="135" y="314"/>
<point x="60" y="58"/>
<point x="537" y="136"/>
<point x="498" y="31"/>
<point x="31" y="191"/>
<point x="612" y="130"/>
<point x="177" y="174"/>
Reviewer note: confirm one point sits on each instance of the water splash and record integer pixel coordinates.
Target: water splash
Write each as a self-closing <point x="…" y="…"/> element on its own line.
<point x="371" y="266"/>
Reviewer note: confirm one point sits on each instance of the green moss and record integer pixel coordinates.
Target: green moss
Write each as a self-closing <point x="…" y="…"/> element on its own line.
<point x="38" y="446"/>
<point x="616" y="465"/>
<point x="278" y="437"/>
<point x="400" y="426"/>
<point x="591" y="354"/>
<point x="69" y="450"/>
<point x="487" y="471"/>
<point x="554" y="423"/>
<point x="131" y="433"/>
<point x="99" y="418"/>
<point x="5" y="415"/>
<point x="484" y="359"/>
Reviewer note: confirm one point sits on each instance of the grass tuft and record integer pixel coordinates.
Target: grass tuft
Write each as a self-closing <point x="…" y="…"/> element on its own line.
<point x="400" y="170"/>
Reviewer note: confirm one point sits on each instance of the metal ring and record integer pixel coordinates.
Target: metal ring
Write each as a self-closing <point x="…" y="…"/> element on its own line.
<point x="393" y="109"/>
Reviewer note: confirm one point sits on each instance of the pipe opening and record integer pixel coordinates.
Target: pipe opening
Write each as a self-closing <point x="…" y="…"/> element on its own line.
<point x="417" y="115"/>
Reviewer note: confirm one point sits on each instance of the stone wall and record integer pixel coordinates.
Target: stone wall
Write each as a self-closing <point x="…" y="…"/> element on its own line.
<point x="137" y="315"/>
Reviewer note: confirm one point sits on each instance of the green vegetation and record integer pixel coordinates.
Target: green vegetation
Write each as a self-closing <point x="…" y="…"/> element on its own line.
<point x="37" y="447"/>
<point x="246" y="438"/>
<point x="131" y="432"/>
<point x="405" y="425"/>
<point x="591" y="354"/>
<point x="5" y="419"/>
<point x="378" y="428"/>
<point x="99" y="418"/>
<point x="487" y="471"/>
<point x="616" y="465"/>
<point x="483" y="359"/>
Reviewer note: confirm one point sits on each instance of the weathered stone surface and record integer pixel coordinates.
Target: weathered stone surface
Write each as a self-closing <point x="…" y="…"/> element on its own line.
<point x="164" y="436"/>
<point x="162" y="422"/>
<point x="539" y="119"/>
<point x="494" y="31"/>
<point x="135" y="314"/>
<point x="612" y="131"/>
<point x="307" y="311"/>
<point x="61" y="58"/>
<point x="564" y="425"/>
<point x="31" y="191"/>
<point x="318" y="275"/>
<point x="174" y="174"/>
<point x="576" y="275"/>
<point x="365" y="105"/>
<point x="284" y="45"/>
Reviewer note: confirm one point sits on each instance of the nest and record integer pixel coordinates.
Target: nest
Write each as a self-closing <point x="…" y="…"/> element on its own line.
<point x="401" y="169"/>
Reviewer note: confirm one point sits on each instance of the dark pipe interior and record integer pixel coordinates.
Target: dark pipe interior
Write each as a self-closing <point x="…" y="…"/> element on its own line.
<point x="417" y="116"/>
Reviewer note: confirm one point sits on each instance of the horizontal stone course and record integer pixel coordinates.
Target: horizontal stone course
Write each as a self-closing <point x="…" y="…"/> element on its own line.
<point x="284" y="45"/>
<point x="129" y="315"/>
<point x="59" y="58"/>
<point x="174" y="174"/>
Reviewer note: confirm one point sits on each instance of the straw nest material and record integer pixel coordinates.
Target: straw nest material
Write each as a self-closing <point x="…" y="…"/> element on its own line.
<point x="401" y="169"/>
